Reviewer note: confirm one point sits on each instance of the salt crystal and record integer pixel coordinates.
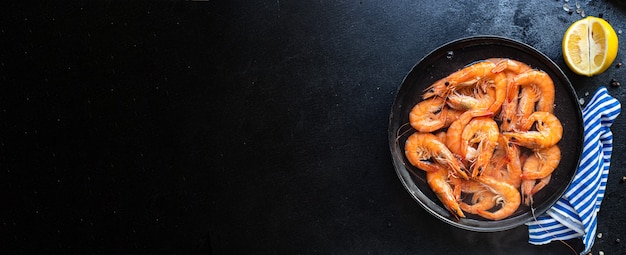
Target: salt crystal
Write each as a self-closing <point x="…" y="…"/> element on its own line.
<point x="566" y="7"/>
<point x="581" y="101"/>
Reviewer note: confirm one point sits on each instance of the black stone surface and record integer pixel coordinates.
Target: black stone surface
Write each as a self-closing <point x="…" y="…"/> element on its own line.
<point x="243" y="126"/>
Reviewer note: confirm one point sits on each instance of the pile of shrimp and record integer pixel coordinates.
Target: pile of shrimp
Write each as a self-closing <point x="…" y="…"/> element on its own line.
<point x="486" y="136"/>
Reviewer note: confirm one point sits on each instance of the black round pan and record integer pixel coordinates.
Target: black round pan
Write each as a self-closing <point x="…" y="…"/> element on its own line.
<point x="452" y="57"/>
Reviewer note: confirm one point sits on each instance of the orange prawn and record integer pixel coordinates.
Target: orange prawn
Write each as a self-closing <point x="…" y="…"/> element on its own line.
<point x="475" y="74"/>
<point x="453" y="135"/>
<point x="428" y="115"/>
<point x="549" y="131"/>
<point x="471" y="98"/>
<point x="543" y="86"/>
<point x="505" y="163"/>
<point x="482" y="198"/>
<point x="421" y="148"/>
<point x="531" y="187"/>
<point x="482" y="131"/>
<point x="542" y="163"/>
<point x="481" y="201"/>
<point x="506" y="195"/>
<point x="438" y="182"/>
<point x="511" y="68"/>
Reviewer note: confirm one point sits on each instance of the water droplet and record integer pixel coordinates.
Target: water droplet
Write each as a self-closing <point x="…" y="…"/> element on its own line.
<point x="450" y="54"/>
<point x="566" y="7"/>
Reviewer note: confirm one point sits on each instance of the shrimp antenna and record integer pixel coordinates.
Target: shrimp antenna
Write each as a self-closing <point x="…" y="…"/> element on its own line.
<point x="532" y="211"/>
<point x="397" y="140"/>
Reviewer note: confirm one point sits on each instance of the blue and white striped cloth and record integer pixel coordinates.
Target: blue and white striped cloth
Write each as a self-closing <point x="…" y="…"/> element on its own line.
<point x="575" y="213"/>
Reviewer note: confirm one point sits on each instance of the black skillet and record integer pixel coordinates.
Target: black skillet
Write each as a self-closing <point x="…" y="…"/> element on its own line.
<point x="452" y="57"/>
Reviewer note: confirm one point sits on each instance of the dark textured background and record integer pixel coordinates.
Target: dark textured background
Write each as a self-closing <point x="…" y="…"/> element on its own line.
<point x="243" y="126"/>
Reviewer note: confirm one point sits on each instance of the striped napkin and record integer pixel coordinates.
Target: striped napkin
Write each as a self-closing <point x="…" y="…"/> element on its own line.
<point x="575" y="213"/>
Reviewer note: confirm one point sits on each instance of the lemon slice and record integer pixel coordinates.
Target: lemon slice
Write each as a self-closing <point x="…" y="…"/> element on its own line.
<point x="589" y="46"/>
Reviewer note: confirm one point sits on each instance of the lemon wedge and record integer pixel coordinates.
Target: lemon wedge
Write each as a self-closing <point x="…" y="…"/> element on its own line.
<point x="589" y="46"/>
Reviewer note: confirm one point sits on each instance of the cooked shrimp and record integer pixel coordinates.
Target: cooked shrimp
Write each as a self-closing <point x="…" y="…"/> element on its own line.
<point x="527" y="191"/>
<point x="474" y="74"/>
<point x="478" y="194"/>
<point x="511" y="68"/>
<point x="424" y="149"/>
<point x="542" y="163"/>
<point x="506" y="195"/>
<point x="549" y="131"/>
<point x="514" y="167"/>
<point x="497" y="165"/>
<point x="543" y="85"/>
<point x="453" y="135"/>
<point x="531" y="187"/>
<point x="541" y="184"/>
<point x="438" y="182"/>
<point x="482" y="131"/>
<point x="505" y="163"/>
<point x="508" y="115"/>
<point x="525" y="107"/>
<point x="500" y="85"/>
<point x="481" y="201"/>
<point x="475" y="100"/>
<point x="428" y="115"/>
